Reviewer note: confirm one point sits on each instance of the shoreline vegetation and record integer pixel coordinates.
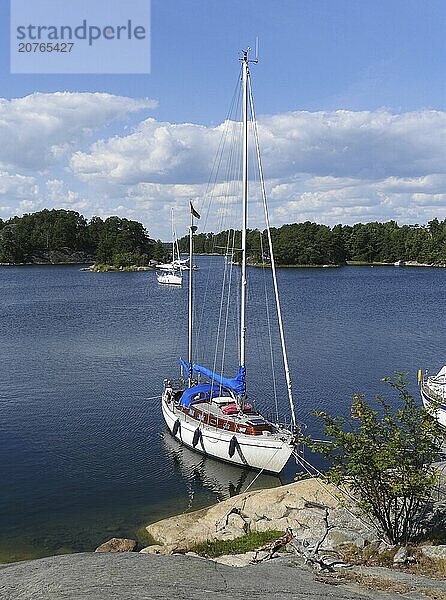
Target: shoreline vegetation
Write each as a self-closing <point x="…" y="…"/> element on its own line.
<point x="57" y="236"/>
<point x="108" y="268"/>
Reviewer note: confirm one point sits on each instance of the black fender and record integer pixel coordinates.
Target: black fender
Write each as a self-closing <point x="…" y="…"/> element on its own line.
<point x="233" y="443"/>
<point x="176" y="427"/>
<point x="197" y="437"/>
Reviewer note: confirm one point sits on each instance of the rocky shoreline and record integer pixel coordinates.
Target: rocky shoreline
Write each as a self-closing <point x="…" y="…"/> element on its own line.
<point x="311" y="509"/>
<point x="301" y="506"/>
<point x="90" y="576"/>
<point x="68" y="257"/>
<point x="320" y="522"/>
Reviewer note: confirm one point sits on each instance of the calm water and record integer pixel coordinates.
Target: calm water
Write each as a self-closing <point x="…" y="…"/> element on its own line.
<point x="83" y="452"/>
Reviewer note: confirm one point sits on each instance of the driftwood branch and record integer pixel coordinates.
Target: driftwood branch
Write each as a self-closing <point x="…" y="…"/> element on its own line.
<point x="273" y="547"/>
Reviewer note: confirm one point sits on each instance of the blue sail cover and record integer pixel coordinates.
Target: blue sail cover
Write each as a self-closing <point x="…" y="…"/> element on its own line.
<point x="204" y="389"/>
<point x="236" y="384"/>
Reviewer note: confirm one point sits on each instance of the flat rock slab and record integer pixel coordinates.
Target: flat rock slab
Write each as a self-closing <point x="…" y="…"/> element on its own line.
<point x="96" y="576"/>
<point x="275" y="508"/>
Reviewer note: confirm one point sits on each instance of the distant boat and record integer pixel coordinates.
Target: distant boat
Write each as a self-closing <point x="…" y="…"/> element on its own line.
<point x="399" y="263"/>
<point x="176" y="264"/>
<point x="170" y="278"/>
<point x="207" y="411"/>
<point x="433" y="394"/>
<point x="171" y="272"/>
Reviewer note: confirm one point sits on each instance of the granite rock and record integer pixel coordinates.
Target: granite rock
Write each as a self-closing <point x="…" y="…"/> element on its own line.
<point x="117" y="545"/>
<point x="434" y="552"/>
<point x="300" y="506"/>
<point x="401" y="556"/>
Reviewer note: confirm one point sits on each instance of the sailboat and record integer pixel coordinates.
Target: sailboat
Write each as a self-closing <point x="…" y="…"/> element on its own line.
<point x="171" y="272"/>
<point x="208" y="411"/>
<point x="433" y="394"/>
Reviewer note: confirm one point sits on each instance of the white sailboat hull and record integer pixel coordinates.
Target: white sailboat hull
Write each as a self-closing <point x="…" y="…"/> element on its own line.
<point x="433" y="395"/>
<point x="439" y="413"/>
<point x="170" y="278"/>
<point x="268" y="452"/>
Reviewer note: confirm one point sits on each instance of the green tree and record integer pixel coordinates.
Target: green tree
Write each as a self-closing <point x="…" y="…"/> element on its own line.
<point x="119" y="236"/>
<point x="10" y="250"/>
<point x="159" y="251"/>
<point x="385" y="458"/>
<point x="95" y="228"/>
<point x="127" y="259"/>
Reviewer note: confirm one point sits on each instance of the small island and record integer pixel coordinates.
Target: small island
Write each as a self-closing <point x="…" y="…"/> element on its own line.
<point x="66" y="237"/>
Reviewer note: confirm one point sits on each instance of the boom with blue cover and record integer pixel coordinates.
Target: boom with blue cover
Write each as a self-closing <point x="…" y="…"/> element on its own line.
<point x="236" y="384"/>
<point x="204" y="390"/>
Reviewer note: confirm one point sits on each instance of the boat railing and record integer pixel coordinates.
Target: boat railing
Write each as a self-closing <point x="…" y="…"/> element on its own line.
<point x="175" y="384"/>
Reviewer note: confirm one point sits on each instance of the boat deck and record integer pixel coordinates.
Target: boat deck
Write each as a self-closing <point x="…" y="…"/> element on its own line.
<point x="208" y="413"/>
<point x="211" y="413"/>
<point x="250" y="417"/>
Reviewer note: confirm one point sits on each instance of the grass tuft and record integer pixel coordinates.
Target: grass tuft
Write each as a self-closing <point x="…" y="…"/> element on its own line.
<point x="246" y="543"/>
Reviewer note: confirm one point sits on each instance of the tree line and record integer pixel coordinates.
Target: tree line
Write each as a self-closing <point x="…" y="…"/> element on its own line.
<point x="125" y="242"/>
<point x="111" y="241"/>
<point x="314" y="244"/>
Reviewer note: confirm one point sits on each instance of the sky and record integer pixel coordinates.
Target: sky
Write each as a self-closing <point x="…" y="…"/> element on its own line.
<point x="350" y="98"/>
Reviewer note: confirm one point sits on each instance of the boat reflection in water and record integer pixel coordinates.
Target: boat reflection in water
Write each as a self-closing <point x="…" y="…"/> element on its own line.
<point x="223" y="479"/>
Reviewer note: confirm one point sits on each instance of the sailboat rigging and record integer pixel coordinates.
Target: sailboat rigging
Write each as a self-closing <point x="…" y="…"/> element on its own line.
<point x="206" y="410"/>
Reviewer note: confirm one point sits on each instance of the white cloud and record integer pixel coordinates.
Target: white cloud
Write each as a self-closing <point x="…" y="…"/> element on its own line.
<point x="354" y="144"/>
<point x="373" y="145"/>
<point x="17" y="186"/>
<point x="40" y="129"/>
<point x="18" y="194"/>
<point x="58" y="194"/>
<point x="155" y="152"/>
<point x="329" y="167"/>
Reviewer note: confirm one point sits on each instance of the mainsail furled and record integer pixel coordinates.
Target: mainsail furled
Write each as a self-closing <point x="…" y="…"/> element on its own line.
<point x="204" y="390"/>
<point x="236" y="384"/>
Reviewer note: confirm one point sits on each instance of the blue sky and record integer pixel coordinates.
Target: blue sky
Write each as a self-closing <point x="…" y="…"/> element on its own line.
<point x="351" y="93"/>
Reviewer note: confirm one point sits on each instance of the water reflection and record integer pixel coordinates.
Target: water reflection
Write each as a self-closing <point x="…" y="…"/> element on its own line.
<point x="221" y="478"/>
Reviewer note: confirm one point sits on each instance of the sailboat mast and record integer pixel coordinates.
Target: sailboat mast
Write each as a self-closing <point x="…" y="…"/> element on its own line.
<point x="191" y="293"/>
<point x="245" y="76"/>
<point x="173" y="235"/>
